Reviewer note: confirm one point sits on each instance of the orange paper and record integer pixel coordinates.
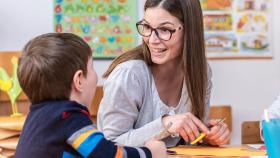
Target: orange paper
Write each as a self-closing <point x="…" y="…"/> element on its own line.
<point x="218" y="151"/>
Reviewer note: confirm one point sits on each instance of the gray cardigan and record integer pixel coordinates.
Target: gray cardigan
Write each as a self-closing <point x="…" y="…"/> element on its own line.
<point x="131" y="110"/>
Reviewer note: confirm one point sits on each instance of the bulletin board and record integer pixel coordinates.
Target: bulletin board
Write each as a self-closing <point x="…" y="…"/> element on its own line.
<point x="108" y="26"/>
<point x="237" y="28"/>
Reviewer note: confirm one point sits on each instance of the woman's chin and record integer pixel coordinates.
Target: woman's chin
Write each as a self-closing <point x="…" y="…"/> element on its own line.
<point x="157" y="60"/>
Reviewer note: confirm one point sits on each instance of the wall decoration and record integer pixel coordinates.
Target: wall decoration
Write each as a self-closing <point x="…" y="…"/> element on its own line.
<point x="220" y="43"/>
<point x="253" y="5"/>
<point x="217" y="22"/>
<point x="256" y="44"/>
<point x="216" y="4"/>
<point x="237" y="28"/>
<point x="108" y="26"/>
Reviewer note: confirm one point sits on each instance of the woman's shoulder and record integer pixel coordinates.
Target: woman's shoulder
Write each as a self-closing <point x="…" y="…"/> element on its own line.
<point x="136" y="71"/>
<point x="130" y="73"/>
<point x="133" y="66"/>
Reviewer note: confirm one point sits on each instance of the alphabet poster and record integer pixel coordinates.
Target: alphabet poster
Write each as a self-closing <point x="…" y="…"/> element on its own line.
<point x="237" y="28"/>
<point x="108" y="26"/>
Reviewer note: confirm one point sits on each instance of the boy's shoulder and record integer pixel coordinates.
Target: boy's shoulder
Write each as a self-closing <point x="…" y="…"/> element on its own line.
<point x="61" y="108"/>
<point x="48" y="125"/>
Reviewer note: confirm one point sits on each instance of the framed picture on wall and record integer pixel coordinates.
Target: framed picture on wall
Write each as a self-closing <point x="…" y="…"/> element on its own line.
<point x="237" y="29"/>
<point x="108" y="26"/>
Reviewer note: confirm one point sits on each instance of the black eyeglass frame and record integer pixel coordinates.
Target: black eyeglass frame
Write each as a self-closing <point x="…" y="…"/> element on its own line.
<point x="155" y="29"/>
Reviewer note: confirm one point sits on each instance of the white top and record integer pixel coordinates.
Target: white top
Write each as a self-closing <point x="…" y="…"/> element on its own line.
<point x="273" y="112"/>
<point x="131" y="110"/>
<point x="274" y="109"/>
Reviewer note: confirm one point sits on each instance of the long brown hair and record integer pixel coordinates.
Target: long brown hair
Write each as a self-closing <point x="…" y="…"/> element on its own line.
<point x="194" y="60"/>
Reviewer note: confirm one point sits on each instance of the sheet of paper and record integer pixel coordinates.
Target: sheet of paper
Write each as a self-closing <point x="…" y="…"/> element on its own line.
<point x="257" y="146"/>
<point x="218" y="151"/>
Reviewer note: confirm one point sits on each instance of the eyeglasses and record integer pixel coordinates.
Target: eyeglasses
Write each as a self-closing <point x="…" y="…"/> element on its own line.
<point x="161" y="32"/>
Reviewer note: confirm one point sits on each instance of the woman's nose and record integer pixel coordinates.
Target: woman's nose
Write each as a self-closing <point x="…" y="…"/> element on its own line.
<point x="154" y="37"/>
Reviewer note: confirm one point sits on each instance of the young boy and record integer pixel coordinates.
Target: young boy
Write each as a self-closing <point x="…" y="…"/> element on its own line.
<point x="56" y="73"/>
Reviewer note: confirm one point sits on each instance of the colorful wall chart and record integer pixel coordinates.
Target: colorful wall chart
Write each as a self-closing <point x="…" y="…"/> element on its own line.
<point x="237" y="28"/>
<point x="108" y="26"/>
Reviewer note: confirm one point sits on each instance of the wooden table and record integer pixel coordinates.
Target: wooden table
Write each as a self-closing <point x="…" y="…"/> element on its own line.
<point x="250" y="148"/>
<point x="185" y="156"/>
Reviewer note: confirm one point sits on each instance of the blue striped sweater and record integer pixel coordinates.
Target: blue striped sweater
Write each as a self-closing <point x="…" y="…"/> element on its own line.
<point x="63" y="129"/>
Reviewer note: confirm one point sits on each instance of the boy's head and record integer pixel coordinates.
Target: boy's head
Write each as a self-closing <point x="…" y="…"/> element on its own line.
<point x="57" y="66"/>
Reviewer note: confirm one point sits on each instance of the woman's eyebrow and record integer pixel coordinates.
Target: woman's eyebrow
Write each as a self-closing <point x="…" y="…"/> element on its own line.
<point x="164" y="23"/>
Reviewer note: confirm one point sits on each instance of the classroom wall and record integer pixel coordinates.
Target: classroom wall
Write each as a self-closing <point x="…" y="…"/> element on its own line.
<point x="248" y="85"/>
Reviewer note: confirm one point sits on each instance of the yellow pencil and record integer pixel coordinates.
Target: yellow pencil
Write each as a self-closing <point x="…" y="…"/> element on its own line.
<point x="202" y="135"/>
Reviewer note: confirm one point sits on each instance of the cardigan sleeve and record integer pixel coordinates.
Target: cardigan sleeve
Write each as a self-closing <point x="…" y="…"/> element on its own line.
<point x="119" y="110"/>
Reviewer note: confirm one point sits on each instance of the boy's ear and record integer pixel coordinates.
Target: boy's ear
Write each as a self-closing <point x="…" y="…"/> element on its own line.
<point x="78" y="80"/>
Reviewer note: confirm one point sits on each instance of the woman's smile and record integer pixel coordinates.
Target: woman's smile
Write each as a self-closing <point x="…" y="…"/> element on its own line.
<point x="158" y="52"/>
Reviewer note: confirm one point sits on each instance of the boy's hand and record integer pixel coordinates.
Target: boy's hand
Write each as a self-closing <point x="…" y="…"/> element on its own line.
<point x="158" y="148"/>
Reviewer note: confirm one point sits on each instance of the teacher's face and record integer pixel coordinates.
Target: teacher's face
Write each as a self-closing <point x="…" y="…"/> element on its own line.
<point x="163" y="25"/>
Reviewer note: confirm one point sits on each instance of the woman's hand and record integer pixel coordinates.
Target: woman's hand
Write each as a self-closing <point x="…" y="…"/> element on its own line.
<point x="219" y="133"/>
<point x="187" y="125"/>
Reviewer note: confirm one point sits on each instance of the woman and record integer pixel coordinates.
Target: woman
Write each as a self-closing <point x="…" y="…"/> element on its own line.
<point x="164" y="82"/>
